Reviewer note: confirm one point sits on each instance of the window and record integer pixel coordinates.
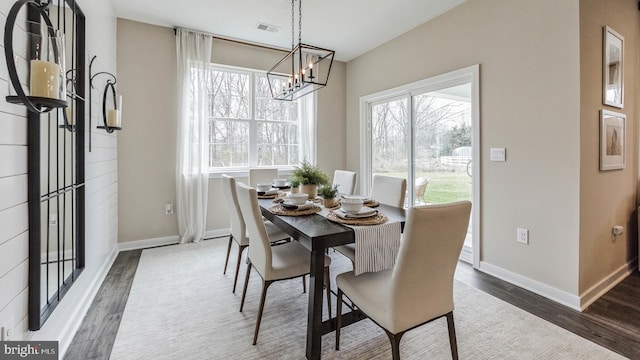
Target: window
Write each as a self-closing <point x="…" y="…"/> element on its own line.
<point x="246" y="127"/>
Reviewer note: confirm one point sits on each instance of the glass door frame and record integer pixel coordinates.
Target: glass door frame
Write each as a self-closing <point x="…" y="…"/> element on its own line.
<point x="467" y="75"/>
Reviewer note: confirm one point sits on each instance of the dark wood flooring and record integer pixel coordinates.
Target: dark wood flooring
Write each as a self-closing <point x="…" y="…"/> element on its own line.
<point x="613" y="321"/>
<point x="95" y="337"/>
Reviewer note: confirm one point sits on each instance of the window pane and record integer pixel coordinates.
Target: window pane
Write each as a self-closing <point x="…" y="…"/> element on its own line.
<point x="229" y="143"/>
<point x="389" y="132"/>
<point x="277" y="144"/>
<point x="229" y="95"/>
<point x="269" y="109"/>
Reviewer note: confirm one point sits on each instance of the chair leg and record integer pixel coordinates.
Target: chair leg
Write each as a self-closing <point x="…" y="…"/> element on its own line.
<point x="228" y="251"/>
<point x="338" y="318"/>
<point x="235" y="279"/>
<point x="452" y="336"/>
<point x="304" y="284"/>
<point x="265" y="286"/>
<point x="246" y="283"/>
<point x="395" y="344"/>
<point x="327" y="283"/>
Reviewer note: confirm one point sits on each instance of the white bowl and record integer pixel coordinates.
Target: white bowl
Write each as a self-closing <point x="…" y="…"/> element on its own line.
<point x="298" y="198"/>
<point x="263" y="187"/>
<point x="279" y="182"/>
<point x="351" y="205"/>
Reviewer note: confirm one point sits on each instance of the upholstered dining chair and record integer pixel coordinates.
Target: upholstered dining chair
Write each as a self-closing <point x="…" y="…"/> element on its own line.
<point x="238" y="226"/>
<point x="420" y="189"/>
<point x="346" y="181"/>
<point x="282" y="262"/>
<point x="262" y="176"/>
<point x="419" y="289"/>
<point x="386" y="190"/>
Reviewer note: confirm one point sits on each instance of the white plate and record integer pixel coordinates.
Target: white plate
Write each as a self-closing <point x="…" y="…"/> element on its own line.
<point x="356" y="197"/>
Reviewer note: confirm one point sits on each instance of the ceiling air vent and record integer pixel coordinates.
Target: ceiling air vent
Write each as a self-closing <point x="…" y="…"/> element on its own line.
<point x="267" y="27"/>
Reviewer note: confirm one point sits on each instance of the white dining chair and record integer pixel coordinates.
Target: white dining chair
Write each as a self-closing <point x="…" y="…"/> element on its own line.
<point x="273" y="263"/>
<point x="238" y="227"/>
<point x="262" y="176"/>
<point x="346" y="181"/>
<point x="419" y="288"/>
<point x="386" y="190"/>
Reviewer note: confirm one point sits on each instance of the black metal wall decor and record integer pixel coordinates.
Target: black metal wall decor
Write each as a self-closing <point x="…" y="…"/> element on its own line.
<point x="47" y="59"/>
<point x="111" y="115"/>
<point x="55" y="142"/>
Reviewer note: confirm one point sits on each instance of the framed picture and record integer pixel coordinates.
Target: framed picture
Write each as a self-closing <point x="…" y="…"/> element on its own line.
<point x="613" y="67"/>
<point x="612" y="135"/>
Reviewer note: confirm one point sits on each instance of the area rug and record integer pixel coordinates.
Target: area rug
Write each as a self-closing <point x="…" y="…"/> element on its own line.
<point x="181" y="307"/>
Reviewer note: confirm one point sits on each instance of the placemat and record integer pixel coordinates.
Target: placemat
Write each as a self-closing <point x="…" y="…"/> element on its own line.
<point x="373" y="220"/>
<point x="279" y="210"/>
<point x="272" y="196"/>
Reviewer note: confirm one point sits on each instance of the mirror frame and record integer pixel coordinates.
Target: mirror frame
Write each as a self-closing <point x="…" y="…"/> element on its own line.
<point x="39" y="312"/>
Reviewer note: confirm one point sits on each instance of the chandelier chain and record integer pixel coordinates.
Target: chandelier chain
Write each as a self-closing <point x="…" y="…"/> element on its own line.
<point x="293" y="31"/>
<point x="299" y="21"/>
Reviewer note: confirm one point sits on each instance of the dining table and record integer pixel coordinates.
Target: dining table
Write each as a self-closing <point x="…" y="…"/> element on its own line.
<point x="317" y="233"/>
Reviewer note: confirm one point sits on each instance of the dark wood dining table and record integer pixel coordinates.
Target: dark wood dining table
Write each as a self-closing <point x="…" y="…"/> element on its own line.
<point x="317" y="233"/>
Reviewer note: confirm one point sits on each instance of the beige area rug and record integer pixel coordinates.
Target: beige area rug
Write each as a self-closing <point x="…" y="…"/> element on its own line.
<point x="181" y="307"/>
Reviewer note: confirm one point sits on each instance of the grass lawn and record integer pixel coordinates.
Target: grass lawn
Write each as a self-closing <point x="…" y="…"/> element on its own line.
<point x="444" y="186"/>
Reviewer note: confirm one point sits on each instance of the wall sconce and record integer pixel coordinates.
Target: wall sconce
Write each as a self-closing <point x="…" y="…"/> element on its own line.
<point x="112" y="115"/>
<point x="46" y="61"/>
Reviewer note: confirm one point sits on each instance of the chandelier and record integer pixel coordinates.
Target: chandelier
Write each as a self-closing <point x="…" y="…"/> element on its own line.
<point x="303" y="70"/>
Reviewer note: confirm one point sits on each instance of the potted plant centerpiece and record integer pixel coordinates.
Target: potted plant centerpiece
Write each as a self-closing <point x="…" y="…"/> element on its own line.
<point x="294" y="183"/>
<point x="309" y="177"/>
<point x="328" y="194"/>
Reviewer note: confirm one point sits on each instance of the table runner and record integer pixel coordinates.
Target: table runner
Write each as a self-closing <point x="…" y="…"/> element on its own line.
<point x="376" y="245"/>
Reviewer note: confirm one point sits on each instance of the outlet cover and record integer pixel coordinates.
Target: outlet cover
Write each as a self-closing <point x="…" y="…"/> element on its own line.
<point x="168" y="208"/>
<point x="522" y="236"/>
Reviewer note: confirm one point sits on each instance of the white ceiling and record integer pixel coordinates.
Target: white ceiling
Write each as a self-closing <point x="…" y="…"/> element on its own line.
<point x="350" y="27"/>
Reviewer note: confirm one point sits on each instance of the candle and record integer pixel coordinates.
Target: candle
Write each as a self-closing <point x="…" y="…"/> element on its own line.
<point x="45" y="79"/>
<point x="303" y="72"/>
<point x="113" y="118"/>
<point x="310" y="70"/>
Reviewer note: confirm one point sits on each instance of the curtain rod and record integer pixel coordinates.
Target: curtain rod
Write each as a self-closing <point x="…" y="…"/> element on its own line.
<point x="241" y="42"/>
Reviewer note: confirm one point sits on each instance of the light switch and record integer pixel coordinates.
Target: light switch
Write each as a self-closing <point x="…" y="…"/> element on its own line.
<point x="498" y="154"/>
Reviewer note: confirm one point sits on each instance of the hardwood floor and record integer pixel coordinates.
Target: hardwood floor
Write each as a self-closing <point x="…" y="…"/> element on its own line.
<point x="613" y="321"/>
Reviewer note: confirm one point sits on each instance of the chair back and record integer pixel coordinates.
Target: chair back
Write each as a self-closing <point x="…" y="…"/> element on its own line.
<point x="421" y="187"/>
<point x="389" y="190"/>
<point x="238" y="227"/>
<point x="422" y="280"/>
<point x="346" y="181"/>
<point x="259" y="246"/>
<point x="262" y="176"/>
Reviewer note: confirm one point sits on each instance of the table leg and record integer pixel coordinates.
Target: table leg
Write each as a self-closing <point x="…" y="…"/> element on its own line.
<point x="314" y="322"/>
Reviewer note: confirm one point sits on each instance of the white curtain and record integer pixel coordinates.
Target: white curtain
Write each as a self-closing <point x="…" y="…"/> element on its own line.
<point x="307" y="116"/>
<point x="192" y="178"/>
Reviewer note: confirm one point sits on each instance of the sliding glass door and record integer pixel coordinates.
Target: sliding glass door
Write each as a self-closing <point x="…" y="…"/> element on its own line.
<point x="426" y="132"/>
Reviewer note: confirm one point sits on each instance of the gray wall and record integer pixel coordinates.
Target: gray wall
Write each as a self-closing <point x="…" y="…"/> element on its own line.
<point x="146" y="62"/>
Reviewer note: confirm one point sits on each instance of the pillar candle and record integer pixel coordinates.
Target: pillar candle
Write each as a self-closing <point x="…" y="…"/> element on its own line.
<point x="45" y="79"/>
<point x="113" y="118"/>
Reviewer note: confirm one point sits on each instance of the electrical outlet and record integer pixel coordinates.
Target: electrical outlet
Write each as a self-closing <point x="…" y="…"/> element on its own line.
<point x="522" y="236"/>
<point x="168" y="208"/>
<point x="7" y="332"/>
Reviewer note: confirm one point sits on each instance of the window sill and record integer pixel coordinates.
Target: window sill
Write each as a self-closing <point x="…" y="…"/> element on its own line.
<point x="244" y="173"/>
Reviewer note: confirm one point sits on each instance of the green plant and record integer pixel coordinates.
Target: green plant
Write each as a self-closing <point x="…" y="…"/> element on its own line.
<point x="308" y="174"/>
<point x="328" y="191"/>
<point x="293" y="182"/>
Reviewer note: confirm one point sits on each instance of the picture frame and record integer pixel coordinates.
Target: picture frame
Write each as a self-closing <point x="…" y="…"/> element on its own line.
<point x="612" y="140"/>
<point x="613" y="68"/>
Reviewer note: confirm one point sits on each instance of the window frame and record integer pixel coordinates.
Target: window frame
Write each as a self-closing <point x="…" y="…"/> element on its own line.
<point x="240" y="171"/>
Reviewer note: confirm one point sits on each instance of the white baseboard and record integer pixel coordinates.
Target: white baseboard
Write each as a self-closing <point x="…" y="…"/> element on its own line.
<point x="167" y="240"/>
<point x="65" y="321"/>
<point x="592" y="294"/>
<point x="551" y="293"/>
<point x="148" y="243"/>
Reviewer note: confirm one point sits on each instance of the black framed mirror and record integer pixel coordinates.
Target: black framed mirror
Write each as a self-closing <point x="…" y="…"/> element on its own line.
<point x="56" y="174"/>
